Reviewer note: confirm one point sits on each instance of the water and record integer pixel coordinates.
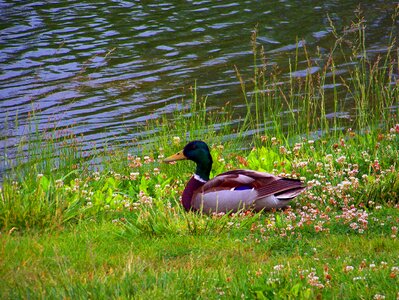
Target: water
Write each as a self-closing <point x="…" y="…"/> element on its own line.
<point x="106" y="67"/>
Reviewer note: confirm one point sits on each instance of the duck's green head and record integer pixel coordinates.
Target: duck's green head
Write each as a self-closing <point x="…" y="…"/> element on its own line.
<point x="198" y="152"/>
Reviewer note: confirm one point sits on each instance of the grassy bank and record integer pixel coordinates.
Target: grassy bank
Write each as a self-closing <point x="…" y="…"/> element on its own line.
<point x="73" y="228"/>
<point x="92" y="261"/>
<point x="122" y="232"/>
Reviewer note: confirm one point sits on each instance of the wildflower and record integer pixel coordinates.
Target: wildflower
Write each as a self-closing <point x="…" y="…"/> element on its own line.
<point x="313" y="280"/>
<point x="135" y="162"/>
<point x="96" y="176"/>
<point x="359" y="278"/>
<point x="362" y="265"/>
<point x="278" y="267"/>
<point x="220" y="291"/>
<point x="318" y="227"/>
<point x="39" y="176"/>
<point x="296" y="148"/>
<point x="156" y="171"/>
<point x="176" y="140"/>
<point x="273" y="280"/>
<point x="341" y="143"/>
<point x="302" y="164"/>
<point x="283" y="150"/>
<point x="341" y="159"/>
<point x="216" y="215"/>
<point x="329" y="157"/>
<point x="348" y="269"/>
<point x="144" y="199"/>
<point x="135" y="205"/>
<point x="394" y="129"/>
<point x="376" y="165"/>
<point x="134" y="175"/>
<point x="59" y="183"/>
<point x="378" y="297"/>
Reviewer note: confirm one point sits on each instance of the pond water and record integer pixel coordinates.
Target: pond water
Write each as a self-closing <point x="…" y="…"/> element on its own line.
<point x="106" y="67"/>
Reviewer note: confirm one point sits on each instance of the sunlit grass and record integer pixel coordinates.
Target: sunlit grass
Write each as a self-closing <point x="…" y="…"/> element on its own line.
<point x="92" y="260"/>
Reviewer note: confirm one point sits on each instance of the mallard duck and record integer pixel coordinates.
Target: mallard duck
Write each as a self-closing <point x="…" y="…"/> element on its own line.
<point x="233" y="190"/>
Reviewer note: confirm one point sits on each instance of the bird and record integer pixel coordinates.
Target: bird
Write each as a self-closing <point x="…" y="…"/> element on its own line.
<point x="232" y="191"/>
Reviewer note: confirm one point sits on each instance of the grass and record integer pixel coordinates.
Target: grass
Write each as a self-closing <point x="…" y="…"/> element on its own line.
<point x="100" y="261"/>
<point x="71" y="228"/>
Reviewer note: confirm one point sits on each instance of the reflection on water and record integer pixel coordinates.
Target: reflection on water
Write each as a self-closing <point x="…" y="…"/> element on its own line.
<point x="107" y="66"/>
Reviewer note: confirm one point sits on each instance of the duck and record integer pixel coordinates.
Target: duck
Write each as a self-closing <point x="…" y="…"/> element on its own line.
<point x="232" y="191"/>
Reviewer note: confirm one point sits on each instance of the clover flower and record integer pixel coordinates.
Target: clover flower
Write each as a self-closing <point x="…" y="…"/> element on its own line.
<point x="278" y="267"/>
<point x="348" y="269"/>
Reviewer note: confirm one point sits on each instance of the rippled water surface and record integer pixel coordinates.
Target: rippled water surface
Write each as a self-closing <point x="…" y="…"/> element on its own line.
<point x="107" y="66"/>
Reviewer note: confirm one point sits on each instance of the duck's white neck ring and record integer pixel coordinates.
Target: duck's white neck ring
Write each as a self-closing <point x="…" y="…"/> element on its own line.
<point x="197" y="177"/>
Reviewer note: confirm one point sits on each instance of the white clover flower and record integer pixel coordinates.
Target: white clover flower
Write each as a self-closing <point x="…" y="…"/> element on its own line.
<point x="134" y="175"/>
<point x="341" y="159"/>
<point x="176" y="140"/>
<point x="348" y="268"/>
<point x="59" y="183"/>
<point x="329" y="157"/>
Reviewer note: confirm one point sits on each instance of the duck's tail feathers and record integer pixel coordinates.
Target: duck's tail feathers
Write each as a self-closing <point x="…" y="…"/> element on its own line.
<point x="290" y="194"/>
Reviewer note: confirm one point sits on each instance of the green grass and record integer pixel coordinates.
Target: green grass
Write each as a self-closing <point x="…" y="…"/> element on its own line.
<point x="69" y="230"/>
<point x="100" y="261"/>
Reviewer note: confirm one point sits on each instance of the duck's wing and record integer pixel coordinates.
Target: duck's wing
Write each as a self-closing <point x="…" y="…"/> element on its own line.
<point x="264" y="183"/>
<point x="239" y="179"/>
<point x="267" y="184"/>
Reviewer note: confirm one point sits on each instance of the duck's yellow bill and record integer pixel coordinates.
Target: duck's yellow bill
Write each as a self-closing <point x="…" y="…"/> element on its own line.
<point x="178" y="156"/>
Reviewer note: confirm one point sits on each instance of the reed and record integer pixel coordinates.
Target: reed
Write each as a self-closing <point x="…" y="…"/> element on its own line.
<point x="367" y="99"/>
